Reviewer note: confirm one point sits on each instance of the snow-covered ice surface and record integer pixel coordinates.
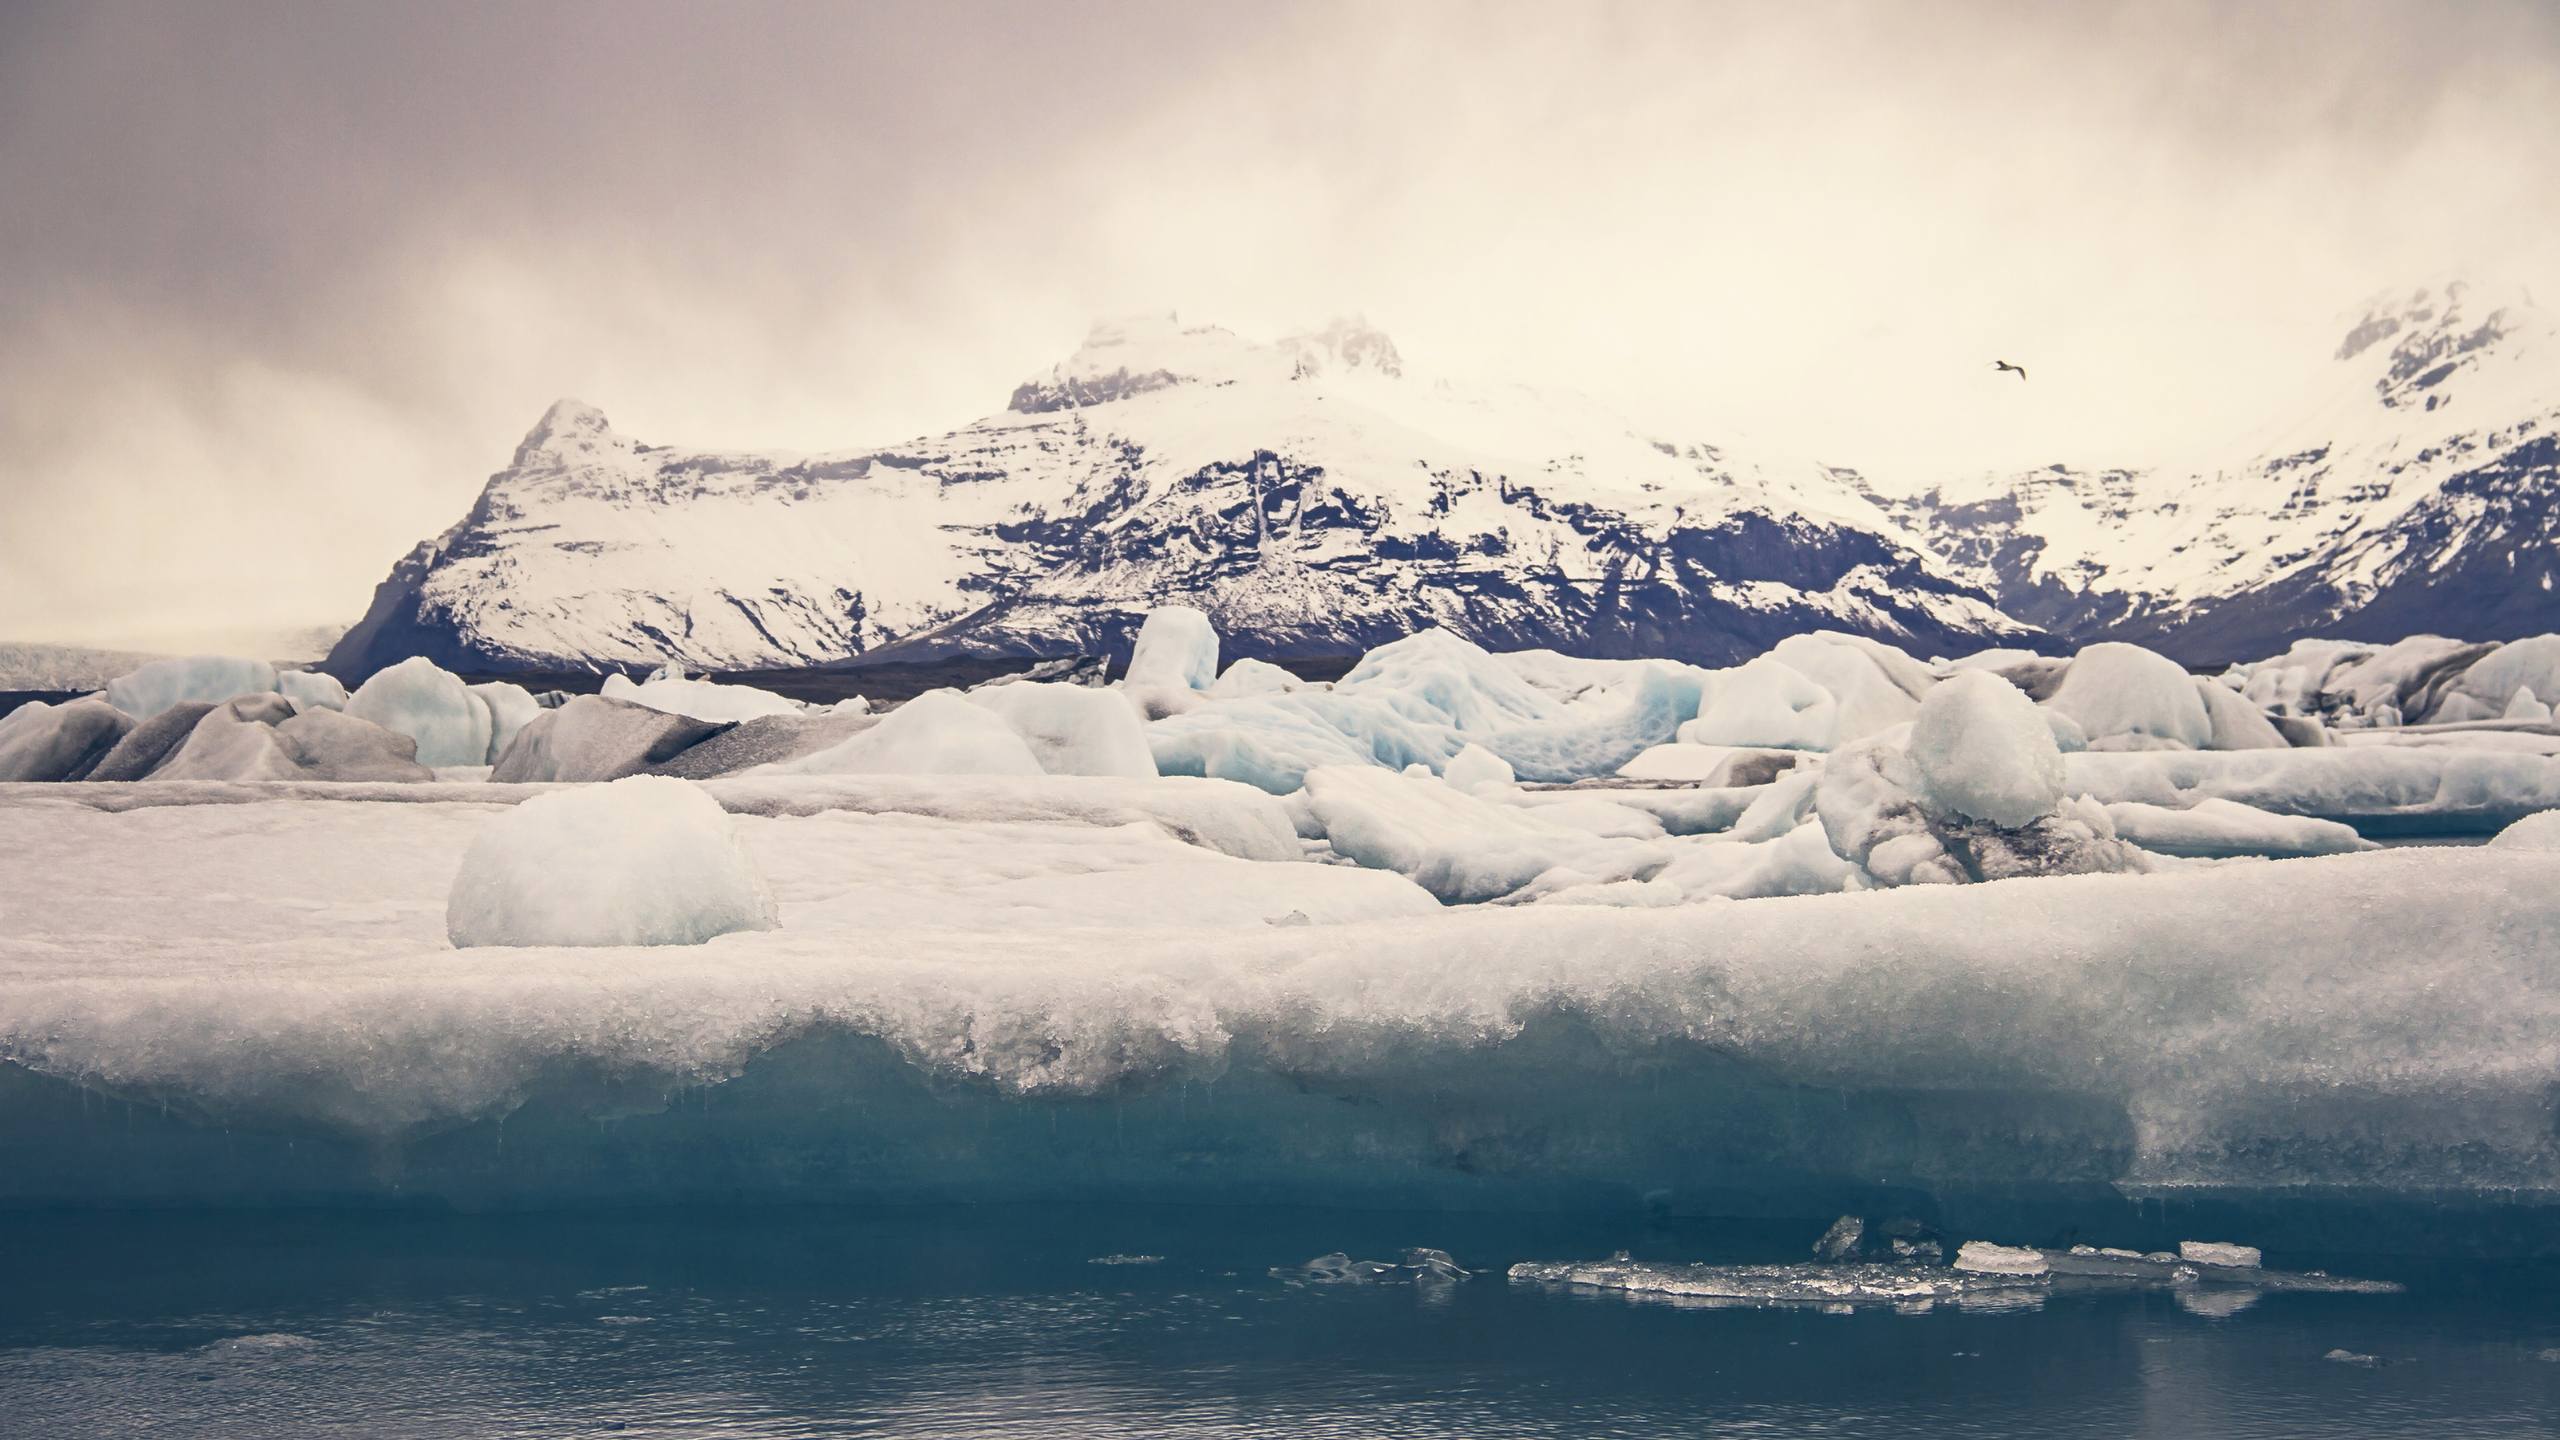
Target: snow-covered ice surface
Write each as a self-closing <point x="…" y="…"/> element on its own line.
<point x="990" y="986"/>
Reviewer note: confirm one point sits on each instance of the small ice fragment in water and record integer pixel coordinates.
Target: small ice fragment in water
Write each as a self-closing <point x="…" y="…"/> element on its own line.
<point x="1294" y="917"/>
<point x="273" y="1343"/>
<point x="1981" y="1257"/>
<point x="2210" y="1252"/>
<point x="1126" y="1260"/>
<point x="1425" y="1264"/>
<point x="1430" y="1264"/>
<point x="1334" y="1269"/>
<point x="1841" y="1240"/>
<point x="2350" y="1357"/>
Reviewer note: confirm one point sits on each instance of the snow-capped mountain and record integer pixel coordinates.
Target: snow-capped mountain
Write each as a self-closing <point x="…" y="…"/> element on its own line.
<point x="1308" y="494"/>
<point x="2420" y="493"/>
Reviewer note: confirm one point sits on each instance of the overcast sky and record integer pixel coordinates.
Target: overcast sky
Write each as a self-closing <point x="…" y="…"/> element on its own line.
<point x="281" y="285"/>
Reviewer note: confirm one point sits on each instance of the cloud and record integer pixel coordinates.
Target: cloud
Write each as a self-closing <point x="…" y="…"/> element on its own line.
<point x="285" y="282"/>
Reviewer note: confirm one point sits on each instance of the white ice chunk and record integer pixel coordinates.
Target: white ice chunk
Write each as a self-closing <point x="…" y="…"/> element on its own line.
<point x="1071" y="729"/>
<point x="2234" y="723"/>
<point x="645" y="860"/>
<point x="937" y="733"/>
<point x="2125" y="697"/>
<point x="311" y="690"/>
<point x="2532" y="664"/>
<point x="1454" y="845"/>
<point x="1874" y="686"/>
<point x="2210" y="1252"/>
<point x="2533" y="832"/>
<point x="1475" y="767"/>
<point x="429" y="705"/>
<point x="511" y="708"/>
<point x="2414" y="787"/>
<point x="2214" y="828"/>
<point x="155" y="687"/>
<point x="2528" y="707"/>
<point x="1254" y="677"/>
<point x="1767" y="703"/>
<point x="1177" y="648"/>
<point x="1981" y="1257"/>
<point x="1438" y="678"/>
<point x="702" y="699"/>
<point x="1980" y="748"/>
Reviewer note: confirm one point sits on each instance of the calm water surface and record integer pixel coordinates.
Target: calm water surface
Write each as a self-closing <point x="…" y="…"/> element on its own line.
<point x="997" y="1323"/>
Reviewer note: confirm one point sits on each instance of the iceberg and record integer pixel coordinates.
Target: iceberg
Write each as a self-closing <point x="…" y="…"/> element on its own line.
<point x="644" y="860"/>
<point x="511" y="708"/>
<point x="1981" y="749"/>
<point x="1176" y="649"/>
<point x="1072" y="729"/>
<point x="700" y="699"/>
<point x="429" y="705"/>
<point x="595" y="738"/>
<point x="152" y="688"/>
<point x="937" y="733"/>
<point x="2378" y="789"/>
<point x="2211" y="829"/>
<point x="311" y="690"/>
<point x="2124" y="697"/>
<point x="41" y="742"/>
<point x="1460" y="848"/>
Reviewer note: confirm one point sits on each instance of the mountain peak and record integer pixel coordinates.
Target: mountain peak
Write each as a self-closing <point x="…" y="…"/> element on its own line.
<point x="2417" y="340"/>
<point x="1349" y="343"/>
<point x="569" y="427"/>
<point x="1133" y="354"/>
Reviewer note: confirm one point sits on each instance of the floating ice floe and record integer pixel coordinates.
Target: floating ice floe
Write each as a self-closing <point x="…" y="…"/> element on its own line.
<point x="593" y="738"/>
<point x="1420" y="1266"/>
<point x="1984" y="1275"/>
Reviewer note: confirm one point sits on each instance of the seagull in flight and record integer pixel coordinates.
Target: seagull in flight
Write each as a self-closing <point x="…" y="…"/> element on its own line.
<point x="2005" y="365"/>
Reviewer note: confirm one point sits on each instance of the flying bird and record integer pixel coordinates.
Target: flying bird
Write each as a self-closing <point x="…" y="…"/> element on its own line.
<point x="2005" y="365"/>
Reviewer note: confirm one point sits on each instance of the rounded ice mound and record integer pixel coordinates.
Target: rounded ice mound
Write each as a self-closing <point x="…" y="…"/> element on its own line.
<point x="1765" y="703"/>
<point x="645" y="860"/>
<point x="936" y="733"/>
<point x="1476" y="767"/>
<point x="1177" y="646"/>
<point x="2538" y="831"/>
<point x="1982" y="749"/>
<point x="419" y="699"/>
<point x="1073" y="729"/>
<point x="2127" y="698"/>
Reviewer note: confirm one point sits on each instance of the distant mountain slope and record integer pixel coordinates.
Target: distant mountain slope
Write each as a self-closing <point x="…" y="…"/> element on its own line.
<point x="2423" y="494"/>
<point x="1308" y="494"/>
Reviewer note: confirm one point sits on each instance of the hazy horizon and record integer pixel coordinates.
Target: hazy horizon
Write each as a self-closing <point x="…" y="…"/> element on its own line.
<point x="286" y="283"/>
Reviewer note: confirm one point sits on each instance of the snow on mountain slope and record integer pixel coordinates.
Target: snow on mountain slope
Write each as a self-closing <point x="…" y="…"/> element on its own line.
<point x="2420" y="491"/>
<point x="1307" y="494"/>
